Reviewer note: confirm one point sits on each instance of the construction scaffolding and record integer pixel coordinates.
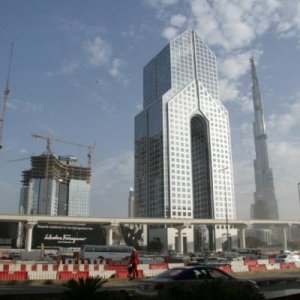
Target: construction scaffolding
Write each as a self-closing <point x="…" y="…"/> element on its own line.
<point x="59" y="168"/>
<point x="55" y="185"/>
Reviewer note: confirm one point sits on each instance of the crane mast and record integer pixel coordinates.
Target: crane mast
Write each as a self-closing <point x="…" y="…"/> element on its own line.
<point x="5" y="96"/>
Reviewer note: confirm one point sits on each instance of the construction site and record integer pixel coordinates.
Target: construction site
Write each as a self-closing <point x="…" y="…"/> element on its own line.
<point x="56" y="185"/>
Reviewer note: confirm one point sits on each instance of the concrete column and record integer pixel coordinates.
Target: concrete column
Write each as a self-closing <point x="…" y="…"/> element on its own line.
<point x="180" y="241"/>
<point x="28" y="239"/>
<point x="284" y="236"/>
<point x="242" y="237"/>
<point x="180" y="228"/>
<point x="109" y="233"/>
<point x="145" y="235"/>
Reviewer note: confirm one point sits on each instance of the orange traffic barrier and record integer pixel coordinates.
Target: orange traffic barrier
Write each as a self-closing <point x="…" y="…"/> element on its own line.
<point x="250" y="262"/>
<point x="272" y="259"/>
<point x="115" y="267"/>
<point x="124" y="274"/>
<point x="257" y="268"/>
<point x="287" y="265"/>
<point x="5" y="267"/>
<point x="45" y="267"/>
<point x="19" y="275"/>
<point x="163" y="266"/>
<point x="66" y="275"/>
<point x="23" y="267"/>
<point x="226" y="269"/>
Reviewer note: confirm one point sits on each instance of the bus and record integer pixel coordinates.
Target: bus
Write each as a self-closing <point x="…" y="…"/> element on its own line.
<point x="114" y="252"/>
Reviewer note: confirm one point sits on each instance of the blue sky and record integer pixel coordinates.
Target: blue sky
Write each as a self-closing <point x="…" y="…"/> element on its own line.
<point x="77" y="75"/>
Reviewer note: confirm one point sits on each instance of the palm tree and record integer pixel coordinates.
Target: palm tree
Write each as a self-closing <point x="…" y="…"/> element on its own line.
<point x="83" y="288"/>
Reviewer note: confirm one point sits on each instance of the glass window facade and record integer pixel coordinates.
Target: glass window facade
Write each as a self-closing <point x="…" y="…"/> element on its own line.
<point x="182" y="136"/>
<point x="79" y="195"/>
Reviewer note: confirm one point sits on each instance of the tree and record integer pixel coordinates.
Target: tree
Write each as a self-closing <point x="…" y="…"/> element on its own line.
<point x="83" y="288"/>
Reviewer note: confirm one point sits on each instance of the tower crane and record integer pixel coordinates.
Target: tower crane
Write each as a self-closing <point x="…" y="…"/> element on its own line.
<point x="49" y="139"/>
<point x="5" y="96"/>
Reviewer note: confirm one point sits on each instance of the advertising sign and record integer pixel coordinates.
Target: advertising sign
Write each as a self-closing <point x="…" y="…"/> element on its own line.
<point x="67" y="235"/>
<point x="8" y="234"/>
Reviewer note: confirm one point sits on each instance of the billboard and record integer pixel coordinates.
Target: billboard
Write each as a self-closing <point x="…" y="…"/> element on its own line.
<point x="66" y="235"/>
<point x="8" y="234"/>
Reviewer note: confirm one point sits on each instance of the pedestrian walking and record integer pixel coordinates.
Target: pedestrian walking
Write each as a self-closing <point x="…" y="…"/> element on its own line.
<point x="133" y="265"/>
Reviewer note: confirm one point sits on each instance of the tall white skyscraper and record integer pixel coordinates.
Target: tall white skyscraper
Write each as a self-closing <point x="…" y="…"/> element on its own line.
<point x="183" y="161"/>
<point x="265" y="203"/>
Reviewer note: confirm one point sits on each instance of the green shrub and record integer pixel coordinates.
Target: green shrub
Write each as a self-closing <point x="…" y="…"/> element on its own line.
<point x="83" y="289"/>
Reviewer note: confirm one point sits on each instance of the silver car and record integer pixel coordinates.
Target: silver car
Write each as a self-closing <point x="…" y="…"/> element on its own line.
<point x="287" y="257"/>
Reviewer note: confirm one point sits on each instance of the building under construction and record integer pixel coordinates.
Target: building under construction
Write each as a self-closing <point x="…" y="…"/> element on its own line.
<point x="55" y="185"/>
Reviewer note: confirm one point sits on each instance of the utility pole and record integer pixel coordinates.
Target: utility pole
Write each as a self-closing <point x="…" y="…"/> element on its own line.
<point x="5" y="96"/>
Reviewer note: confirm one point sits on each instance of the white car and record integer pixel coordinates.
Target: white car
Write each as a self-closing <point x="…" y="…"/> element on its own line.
<point x="287" y="257"/>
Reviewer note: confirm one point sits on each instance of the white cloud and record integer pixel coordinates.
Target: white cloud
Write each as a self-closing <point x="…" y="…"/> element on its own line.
<point x="232" y="67"/>
<point x="115" y="67"/>
<point x="178" y="20"/>
<point x="289" y="20"/>
<point x="100" y="54"/>
<point x="115" y="71"/>
<point x="99" y="51"/>
<point x="237" y="34"/>
<point x="70" y="68"/>
<point x="233" y="24"/>
<point x="169" y="33"/>
<point x="67" y="68"/>
<point x="159" y="4"/>
<point x="284" y="122"/>
<point x="24" y="106"/>
<point x="228" y="90"/>
<point x="235" y="65"/>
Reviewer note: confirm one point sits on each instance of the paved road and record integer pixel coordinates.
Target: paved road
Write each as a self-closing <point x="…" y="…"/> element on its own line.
<point x="272" y="284"/>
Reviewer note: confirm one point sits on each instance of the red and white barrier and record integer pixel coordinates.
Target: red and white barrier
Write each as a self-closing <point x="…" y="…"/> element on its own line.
<point x="75" y="269"/>
<point x="102" y="274"/>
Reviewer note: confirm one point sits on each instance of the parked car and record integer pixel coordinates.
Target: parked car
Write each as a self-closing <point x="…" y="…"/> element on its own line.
<point x="287" y="257"/>
<point x="186" y="275"/>
<point x="176" y="257"/>
<point x="210" y="261"/>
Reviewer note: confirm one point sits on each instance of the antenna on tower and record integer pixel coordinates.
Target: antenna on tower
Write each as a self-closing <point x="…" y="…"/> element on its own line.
<point x="5" y="96"/>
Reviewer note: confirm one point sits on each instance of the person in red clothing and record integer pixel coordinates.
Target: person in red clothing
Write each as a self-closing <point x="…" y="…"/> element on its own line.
<point x="134" y="261"/>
